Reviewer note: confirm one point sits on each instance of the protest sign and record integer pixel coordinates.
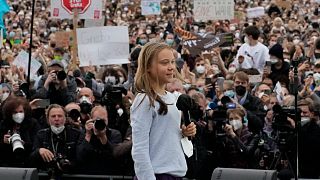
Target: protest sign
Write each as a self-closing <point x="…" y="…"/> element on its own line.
<point x="22" y="60"/>
<point x="255" y="78"/>
<point x="207" y="42"/>
<point x="103" y="45"/>
<point x="238" y="17"/>
<point x="255" y="12"/>
<point x="150" y="7"/>
<point x="284" y="4"/>
<point x="62" y="39"/>
<point x="88" y="9"/>
<point x="205" y="10"/>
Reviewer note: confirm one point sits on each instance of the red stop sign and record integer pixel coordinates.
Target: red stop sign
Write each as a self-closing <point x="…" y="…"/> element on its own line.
<point x="83" y="5"/>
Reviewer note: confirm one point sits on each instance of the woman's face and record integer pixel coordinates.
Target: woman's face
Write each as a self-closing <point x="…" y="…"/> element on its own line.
<point x="19" y="109"/>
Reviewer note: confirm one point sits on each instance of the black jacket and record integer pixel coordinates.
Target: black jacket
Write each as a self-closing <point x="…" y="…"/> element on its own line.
<point x="28" y="130"/>
<point x="64" y="144"/>
<point x="255" y="113"/>
<point x="96" y="158"/>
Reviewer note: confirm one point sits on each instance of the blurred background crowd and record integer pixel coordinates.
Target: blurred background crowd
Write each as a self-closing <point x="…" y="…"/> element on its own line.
<point x="77" y="120"/>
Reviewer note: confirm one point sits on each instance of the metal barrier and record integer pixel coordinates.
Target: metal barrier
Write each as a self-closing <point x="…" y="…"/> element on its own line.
<point x="45" y="176"/>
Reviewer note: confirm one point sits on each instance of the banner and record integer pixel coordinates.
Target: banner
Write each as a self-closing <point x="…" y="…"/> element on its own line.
<point x="150" y="7"/>
<point x="103" y="45"/>
<point x="22" y="60"/>
<point x="205" y="10"/>
<point x="94" y="22"/>
<point x="89" y="9"/>
<point x="207" y="42"/>
<point x="255" y="12"/>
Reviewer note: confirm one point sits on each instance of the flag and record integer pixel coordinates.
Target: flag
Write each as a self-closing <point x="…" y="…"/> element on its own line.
<point x="4" y="8"/>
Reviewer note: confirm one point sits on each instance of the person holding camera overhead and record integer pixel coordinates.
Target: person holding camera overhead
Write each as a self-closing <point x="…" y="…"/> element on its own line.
<point x="95" y="152"/>
<point x="54" y="148"/>
<point x="17" y="131"/>
<point x="57" y="86"/>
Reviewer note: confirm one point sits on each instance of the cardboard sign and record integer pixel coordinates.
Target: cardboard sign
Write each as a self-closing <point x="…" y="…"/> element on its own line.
<point x="22" y="60"/>
<point x="150" y="7"/>
<point x="255" y="78"/>
<point x="94" y="22"/>
<point x="103" y="45"/>
<point x="205" y="10"/>
<point x="62" y="9"/>
<point x="63" y="39"/>
<point x="284" y="4"/>
<point x="255" y="12"/>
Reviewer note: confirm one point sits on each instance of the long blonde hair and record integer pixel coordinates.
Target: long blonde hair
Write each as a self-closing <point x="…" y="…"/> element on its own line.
<point x="143" y="83"/>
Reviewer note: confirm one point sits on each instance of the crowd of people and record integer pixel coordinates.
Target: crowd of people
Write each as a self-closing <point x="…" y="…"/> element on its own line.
<point x="94" y="119"/>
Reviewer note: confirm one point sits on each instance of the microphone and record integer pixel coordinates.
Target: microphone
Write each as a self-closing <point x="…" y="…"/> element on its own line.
<point x="184" y="103"/>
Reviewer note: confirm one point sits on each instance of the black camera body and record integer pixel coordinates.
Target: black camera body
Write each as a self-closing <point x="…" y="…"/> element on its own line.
<point x="100" y="124"/>
<point x="85" y="107"/>
<point x="61" y="163"/>
<point x="61" y="75"/>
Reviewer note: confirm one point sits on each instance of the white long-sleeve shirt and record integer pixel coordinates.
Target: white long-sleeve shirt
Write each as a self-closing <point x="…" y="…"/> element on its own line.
<point x="156" y="139"/>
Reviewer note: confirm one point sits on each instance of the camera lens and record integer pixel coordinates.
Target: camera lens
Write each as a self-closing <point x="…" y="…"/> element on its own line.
<point x="61" y="75"/>
<point x="99" y="124"/>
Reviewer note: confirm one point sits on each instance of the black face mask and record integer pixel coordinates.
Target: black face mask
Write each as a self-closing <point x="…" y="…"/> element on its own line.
<point x="240" y="90"/>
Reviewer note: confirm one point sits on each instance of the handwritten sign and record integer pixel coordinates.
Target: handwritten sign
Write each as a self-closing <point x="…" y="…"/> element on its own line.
<point x="93" y="11"/>
<point x="255" y="12"/>
<point x="22" y="60"/>
<point x="205" y="10"/>
<point x="103" y="45"/>
<point x="284" y="4"/>
<point x="62" y="39"/>
<point x="149" y="7"/>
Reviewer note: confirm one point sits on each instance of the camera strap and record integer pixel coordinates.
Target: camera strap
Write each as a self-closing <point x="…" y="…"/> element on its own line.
<point x="55" y="146"/>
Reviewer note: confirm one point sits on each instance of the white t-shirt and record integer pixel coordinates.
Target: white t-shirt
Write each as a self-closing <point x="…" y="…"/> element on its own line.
<point x="254" y="56"/>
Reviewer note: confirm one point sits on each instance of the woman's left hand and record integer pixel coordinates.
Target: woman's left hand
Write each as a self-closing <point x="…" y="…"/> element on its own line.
<point x="190" y="130"/>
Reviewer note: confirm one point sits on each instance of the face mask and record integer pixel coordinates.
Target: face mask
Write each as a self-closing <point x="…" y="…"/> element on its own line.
<point x="15" y="25"/>
<point x="229" y="93"/>
<point x="240" y="90"/>
<point x="110" y="79"/>
<point x="246" y="40"/>
<point x="200" y="69"/>
<point x="296" y="41"/>
<point x="316" y="76"/>
<point x="232" y="69"/>
<point x="187" y="86"/>
<point x="120" y="111"/>
<point x="57" y="130"/>
<point x="53" y="29"/>
<point x="273" y="60"/>
<point x="161" y="35"/>
<point x="169" y="42"/>
<point x="237" y="35"/>
<point x="25" y="33"/>
<point x="84" y="99"/>
<point x="18" y="117"/>
<point x="121" y="80"/>
<point x="142" y="41"/>
<point x="12" y="34"/>
<point x="202" y="31"/>
<point x="232" y="28"/>
<point x="123" y="15"/>
<point x="148" y="31"/>
<point x="304" y="120"/>
<point x="236" y="124"/>
<point x="4" y="96"/>
<point x="68" y="29"/>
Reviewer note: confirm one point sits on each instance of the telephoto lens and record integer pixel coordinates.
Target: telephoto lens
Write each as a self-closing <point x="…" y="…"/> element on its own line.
<point x="17" y="143"/>
<point x="61" y="75"/>
<point x="99" y="124"/>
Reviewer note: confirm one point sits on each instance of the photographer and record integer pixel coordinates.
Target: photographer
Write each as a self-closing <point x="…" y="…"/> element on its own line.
<point x="17" y="131"/>
<point x="54" y="148"/>
<point x="56" y="85"/>
<point x="85" y="99"/>
<point x="309" y="140"/>
<point x="239" y="143"/>
<point x="95" y="152"/>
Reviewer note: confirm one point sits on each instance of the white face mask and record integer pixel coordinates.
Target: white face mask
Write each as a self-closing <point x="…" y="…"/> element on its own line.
<point x="232" y="69"/>
<point x="296" y="41"/>
<point x="18" y="117"/>
<point x="246" y="40"/>
<point x="84" y="99"/>
<point x="274" y="60"/>
<point x="148" y="31"/>
<point x="200" y="69"/>
<point x="236" y="124"/>
<point x="121" y="80"/>
<point x="57" y="130"/>
<point x="4" y="96"/>
<point x="316" y="76"/>
<point x="232" y="28"/>
<point x="304" y="120"/>
<point x="110" y="79"/>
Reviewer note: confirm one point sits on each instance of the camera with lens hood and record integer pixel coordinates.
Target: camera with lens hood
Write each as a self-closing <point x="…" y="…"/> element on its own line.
<point x="99" y="124"/>
<point x="16" y="142"/>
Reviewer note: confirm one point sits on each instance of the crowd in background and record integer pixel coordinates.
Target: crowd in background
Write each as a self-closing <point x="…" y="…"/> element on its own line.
<point x="57" y="114"/>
